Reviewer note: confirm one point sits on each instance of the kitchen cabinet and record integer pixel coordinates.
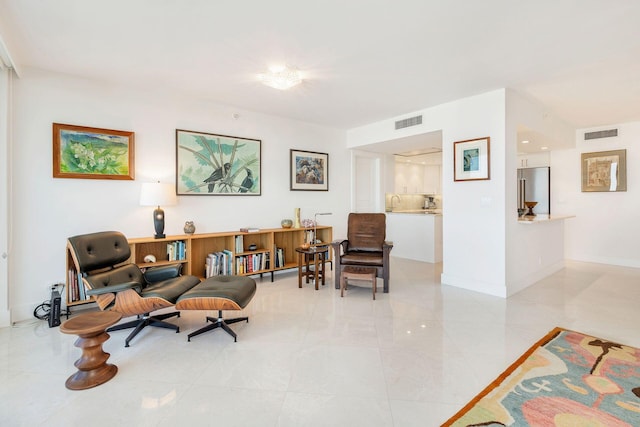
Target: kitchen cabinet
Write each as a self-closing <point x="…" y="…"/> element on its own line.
<point x="409" y="178"/>
<point x="422" y="175"/>
<point x="432" y="179"/>
<point x="533" y="160"/>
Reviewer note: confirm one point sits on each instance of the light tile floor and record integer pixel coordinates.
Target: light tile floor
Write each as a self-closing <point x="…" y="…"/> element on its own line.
<point x="413" y="357"/>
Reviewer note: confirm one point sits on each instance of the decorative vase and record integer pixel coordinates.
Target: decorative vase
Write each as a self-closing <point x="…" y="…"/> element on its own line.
<point x="286" y="223"/>
<point x="189" y="228"/>
<point x="530" y="206"/>
<point x="297" y="224"/>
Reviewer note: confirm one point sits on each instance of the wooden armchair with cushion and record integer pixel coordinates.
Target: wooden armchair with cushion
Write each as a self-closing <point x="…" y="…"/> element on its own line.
<point x="365" y="246"/>
<point x="118" y="285"/>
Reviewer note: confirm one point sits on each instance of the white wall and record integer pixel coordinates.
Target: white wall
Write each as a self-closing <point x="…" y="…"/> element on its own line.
<point x="46" y="210"/>
<point x="6" y="76"/>
<point x="605" y="227"/>
<point x="533" y="250"/>
<point x="473" y="212"/>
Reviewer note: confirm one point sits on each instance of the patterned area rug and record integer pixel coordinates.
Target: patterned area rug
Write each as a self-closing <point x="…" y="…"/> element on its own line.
<point x="565" y="379"/>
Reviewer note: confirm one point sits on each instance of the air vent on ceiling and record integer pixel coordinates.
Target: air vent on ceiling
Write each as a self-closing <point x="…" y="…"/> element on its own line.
<point x="411" y="121"/>
<point x="609" y="133"/>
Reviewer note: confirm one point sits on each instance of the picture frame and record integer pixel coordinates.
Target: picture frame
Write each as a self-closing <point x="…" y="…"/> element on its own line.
<point x="309" y="171"/>
<point x="92" y="153"/>
<point x="471" y="159"/>
<point x="209" y="164"/>
<point x="604" y="171"/>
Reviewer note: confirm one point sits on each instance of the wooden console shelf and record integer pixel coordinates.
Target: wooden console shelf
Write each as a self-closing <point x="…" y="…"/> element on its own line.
<point x="274" y="250"/>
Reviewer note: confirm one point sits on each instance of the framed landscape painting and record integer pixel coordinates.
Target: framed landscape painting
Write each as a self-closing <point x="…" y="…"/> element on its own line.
<point x="92" y="153"/>
<point x="309" y="170"/>
<point x="604" y="171"/>
<point x="208" y="164"/>
<point x="471" y="159"/>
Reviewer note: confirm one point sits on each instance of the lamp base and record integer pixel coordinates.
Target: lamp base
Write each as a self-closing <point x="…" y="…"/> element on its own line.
<point x="158" y="223"/>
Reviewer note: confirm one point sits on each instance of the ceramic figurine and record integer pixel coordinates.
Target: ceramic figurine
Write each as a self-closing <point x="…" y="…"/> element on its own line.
<point x="189" y="228"/>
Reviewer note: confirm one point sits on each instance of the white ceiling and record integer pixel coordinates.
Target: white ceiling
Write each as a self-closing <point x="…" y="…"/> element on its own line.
<point x="365" y="60"/>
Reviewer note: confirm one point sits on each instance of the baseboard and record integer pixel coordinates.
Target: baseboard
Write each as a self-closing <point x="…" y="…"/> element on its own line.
<point x="620" y="262"/>
<point x="530" y="279"/>
<point x="498" y="290"/>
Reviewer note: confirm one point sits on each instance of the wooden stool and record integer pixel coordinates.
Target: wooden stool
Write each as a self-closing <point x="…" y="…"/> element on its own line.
<point x="357" y="273"/>
<point x="318" y="254"/>
<point x="93" y="368"/>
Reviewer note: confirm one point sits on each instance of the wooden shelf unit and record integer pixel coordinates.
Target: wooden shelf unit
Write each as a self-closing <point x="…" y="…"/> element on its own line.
<point x="199" y="246"/>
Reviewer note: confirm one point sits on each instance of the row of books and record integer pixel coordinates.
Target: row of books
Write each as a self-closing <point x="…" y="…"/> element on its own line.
<point x="76" y="287"/>
<point x="176" y="251"/>
<point x="280" y="260"/>
<point x="247" y="264"/>
<point x="219" y="263"/>
<point x="223" y="263"/>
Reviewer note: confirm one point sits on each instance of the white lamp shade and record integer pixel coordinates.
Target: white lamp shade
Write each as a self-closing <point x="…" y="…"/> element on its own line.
<point x="157" y="194"/>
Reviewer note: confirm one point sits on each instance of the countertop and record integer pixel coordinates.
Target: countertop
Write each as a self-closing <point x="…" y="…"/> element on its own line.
<point x="540" y="218"/>
<point x="417" y="211"/>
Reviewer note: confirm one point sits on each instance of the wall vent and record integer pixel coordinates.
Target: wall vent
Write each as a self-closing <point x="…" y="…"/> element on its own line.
<point x="411" y="121"/>
<point x="609" y="133"/>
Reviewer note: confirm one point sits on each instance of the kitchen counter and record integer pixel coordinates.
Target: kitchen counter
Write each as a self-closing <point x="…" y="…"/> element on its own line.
<point x="540" y="218"/>
<point x="417" y="211"/>
<point x="415" y="234"/>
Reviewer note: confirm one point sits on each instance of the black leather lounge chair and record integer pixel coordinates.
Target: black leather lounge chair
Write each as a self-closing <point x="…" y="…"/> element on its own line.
<point x="121" y="286"/>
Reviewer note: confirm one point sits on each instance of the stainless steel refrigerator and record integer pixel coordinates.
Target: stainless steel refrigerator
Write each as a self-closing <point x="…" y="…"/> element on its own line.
<point x="534" y="186"/>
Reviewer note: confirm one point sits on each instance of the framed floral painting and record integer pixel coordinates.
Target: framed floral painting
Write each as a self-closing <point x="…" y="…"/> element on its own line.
<point x="92" y="153"/>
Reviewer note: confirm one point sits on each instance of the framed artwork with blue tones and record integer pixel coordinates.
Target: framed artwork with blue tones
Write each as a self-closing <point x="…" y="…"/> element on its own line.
<point x="92" y="153"/>
<point x="208" y="164"/>
<point x="309" y="170"/>
<point x="471" y="159"/>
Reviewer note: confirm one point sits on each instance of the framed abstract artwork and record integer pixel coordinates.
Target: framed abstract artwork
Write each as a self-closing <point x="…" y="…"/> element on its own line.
<point x="471" y="159"/>
<point x="208" y="164"/>
<point x="92" y="153"/>
<point x="309" y="171"/>
<point x="604" y="171"/>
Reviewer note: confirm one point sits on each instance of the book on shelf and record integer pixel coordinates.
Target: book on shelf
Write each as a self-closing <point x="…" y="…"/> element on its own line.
<point x="176" y="251"/>
<point x="239" y="243"/>
<point x="279" y="257"/>
<point x="249" y="229"/>
<point x="81" y="290"/>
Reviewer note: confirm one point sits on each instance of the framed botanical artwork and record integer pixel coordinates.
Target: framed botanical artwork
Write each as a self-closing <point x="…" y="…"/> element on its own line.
<point x="92" y="153"/>
<point x="309" y="171"/>
<point x="471" y="159"/>
<point x="604" y="171"/>
<point x="208" y="164"/>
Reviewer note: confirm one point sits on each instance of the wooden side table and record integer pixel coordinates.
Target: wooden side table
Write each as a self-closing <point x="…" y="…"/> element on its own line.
<point x="358" y="273"/>
<point x="317" y="254"/>
<point x="93" y="368"/>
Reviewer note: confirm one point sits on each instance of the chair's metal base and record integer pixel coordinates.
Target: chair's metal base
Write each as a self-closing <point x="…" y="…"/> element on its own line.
<point x="146" y="320"/>
<point x="219" y="323"/>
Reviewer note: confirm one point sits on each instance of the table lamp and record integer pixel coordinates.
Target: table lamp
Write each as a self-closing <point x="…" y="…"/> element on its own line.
<point x="156" y="194"/>
<point x="315" y="225"/>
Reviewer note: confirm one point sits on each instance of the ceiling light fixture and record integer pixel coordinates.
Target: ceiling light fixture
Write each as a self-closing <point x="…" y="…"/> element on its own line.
<point x="525" y="142"/>
<point x="281" y="77"/>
